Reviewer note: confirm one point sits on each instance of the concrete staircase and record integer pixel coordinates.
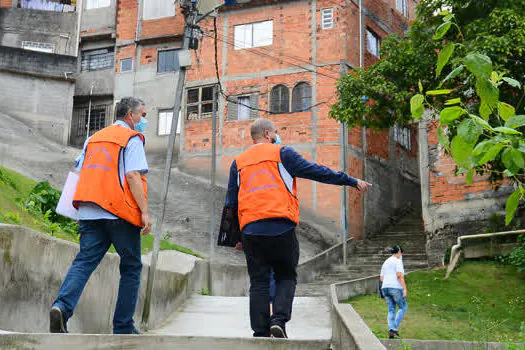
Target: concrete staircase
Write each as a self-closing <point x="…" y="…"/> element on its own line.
<point x="369" y="255"/>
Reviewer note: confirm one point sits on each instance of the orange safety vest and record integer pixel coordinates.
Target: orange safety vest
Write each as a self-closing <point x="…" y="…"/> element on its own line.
<point x="266" y="189"/>
<point x="99" y="181"/>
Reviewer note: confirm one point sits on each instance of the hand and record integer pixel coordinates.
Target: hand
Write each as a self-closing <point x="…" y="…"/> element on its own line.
<point x="363" y="186"/>
<point x="146" y="224"/>
<point x="405" y="293"/>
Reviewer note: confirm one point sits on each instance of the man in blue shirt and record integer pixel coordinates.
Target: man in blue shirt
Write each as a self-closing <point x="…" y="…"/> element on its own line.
<point x="99" y="228"/>
<point x="263" y="189"/>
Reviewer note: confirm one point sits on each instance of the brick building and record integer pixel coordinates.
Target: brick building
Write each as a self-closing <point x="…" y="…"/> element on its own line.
<point x="281" y="60"/>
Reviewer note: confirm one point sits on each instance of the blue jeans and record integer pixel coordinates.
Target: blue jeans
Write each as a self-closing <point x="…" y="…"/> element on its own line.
<point x="393" y="297"/>
<point x="95" y="239"/>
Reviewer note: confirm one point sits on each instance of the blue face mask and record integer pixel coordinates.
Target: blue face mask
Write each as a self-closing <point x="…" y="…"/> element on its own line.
<point x="278" y="140"/>
<point x="141" y="126"/>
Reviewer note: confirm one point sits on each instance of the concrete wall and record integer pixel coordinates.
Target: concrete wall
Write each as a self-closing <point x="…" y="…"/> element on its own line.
<point x="33" y="266"/>
<point x="349" y="331"/>
<point x="18" y="25"/>
<point x="41" y="103"/>
<point x="157" y="90"/>
<point x="99" y="20"/>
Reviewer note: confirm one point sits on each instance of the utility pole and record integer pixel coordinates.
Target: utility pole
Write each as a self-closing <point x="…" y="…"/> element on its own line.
<point x="190" y="9"/>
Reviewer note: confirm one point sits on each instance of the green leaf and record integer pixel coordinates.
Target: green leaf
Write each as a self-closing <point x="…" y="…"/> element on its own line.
<point x="444" y="13"/>
<point x="512" y="82"/>
<point x="439" y="92"/>
<point x="448" y="17"/>
<point x="442" y="138"/>
<point x="494" y="77"/>
<point x="416" y="106"/>
<point x="469" y="131"/>
<point x="481" y="122"/>
<point x="449" y="114"/>
<point x="453" y="101"/>
<point x="462" y="152"/>
<point x="488" y="92"/>
<point x="506" y="111"/>
<point x="444" y="57"/>
<point x="491" y="154"/>
<point x="420" y="86"/>
<point x="516" y="121"/>
<point x="470" y="174"/>
<point x="483" y="147"/>
<point x="512" y="205"/>
<point x="513" y="160"/>
<point x="452" y="74"/>
<point x="478" y="64"/>
<point x="442" y="30"/>
<point x="507" y="131"/>
<point x="485" y="111"/>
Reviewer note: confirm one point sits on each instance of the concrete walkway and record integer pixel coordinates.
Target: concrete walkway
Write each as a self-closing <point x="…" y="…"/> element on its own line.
<point x="228" y="317"/>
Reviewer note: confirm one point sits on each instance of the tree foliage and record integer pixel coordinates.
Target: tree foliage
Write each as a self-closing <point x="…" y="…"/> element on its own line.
<point x="382" y="93"/>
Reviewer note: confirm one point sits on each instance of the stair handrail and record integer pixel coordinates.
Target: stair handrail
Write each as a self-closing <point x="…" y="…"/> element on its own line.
<point x="455" y="252"/>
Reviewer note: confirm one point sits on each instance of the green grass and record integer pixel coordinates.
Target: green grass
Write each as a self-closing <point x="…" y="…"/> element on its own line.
<point x="481" y="301"/>
<point x="15" y="189"/>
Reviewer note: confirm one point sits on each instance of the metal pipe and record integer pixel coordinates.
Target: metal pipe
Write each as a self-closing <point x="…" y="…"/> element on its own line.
<point x="167" y="172"/>
<point x="213" y="167"/>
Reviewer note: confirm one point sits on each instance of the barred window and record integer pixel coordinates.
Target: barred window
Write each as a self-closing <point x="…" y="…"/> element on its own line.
<point x="327" y="18"/>
<point x="199" y="103"/>
<point x="402" y="137"/>
<point x="97" y="59"/>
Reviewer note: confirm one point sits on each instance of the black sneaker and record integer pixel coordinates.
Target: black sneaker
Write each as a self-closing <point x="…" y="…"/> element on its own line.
<point x="278" y="332"/>
<point x="396" y="334"/>
<point x="391" y="334"/>
<point x="56" y="321"/>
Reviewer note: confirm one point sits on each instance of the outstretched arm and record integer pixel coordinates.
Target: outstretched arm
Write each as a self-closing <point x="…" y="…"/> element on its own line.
<point x="297" y="166"/>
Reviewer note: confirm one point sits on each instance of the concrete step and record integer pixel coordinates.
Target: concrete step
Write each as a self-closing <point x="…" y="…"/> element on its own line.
<point x="157" y="342"/>
<point x="229" y="317"/>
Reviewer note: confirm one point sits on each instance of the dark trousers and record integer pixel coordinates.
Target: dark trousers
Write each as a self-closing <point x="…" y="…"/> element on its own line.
<point x="95" y="239"/>
<point x="263" y="253"/>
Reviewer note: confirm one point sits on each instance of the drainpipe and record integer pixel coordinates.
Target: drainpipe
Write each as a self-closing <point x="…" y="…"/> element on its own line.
<point x="79" y="20"/>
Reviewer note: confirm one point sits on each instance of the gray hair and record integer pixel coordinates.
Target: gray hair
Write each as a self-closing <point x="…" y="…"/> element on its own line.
<point x="259" y="126"/>
<point x="127" y="104"/>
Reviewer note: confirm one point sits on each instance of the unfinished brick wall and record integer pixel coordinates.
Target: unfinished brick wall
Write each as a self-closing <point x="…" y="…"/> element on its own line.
<point x="6" y="3"/>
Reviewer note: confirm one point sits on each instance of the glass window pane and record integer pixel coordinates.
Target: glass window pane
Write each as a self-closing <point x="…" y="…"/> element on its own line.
<point x="207" y="93"/>
<point x="243" y="36"/>
<point x="192" y="112"/>
<point x="193" y="95"/>
<point x="243" y="112"/>
<point x="263" y="33"/>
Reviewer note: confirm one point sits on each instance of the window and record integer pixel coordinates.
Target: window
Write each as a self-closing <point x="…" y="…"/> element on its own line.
<point x="154" y="9"/>
<point x="402" y="136"/>
<point x="97" y="59"/>
<point x="243" y="108"/>
<point x="327" y="18"/>
<point x="372" y="43"/>
<point x="199" y="103"/>
<point x="40" y="47"/>
<point x="167" y="61"/>
<point x="402" y="6"/>
<point x="301" y="97"/>
<point x="95" y="4"/>
<point x="126" y="65"/>
<point x="165" y="119"/>
<point x="253" y="35"/>
<point x="280" y="100"/>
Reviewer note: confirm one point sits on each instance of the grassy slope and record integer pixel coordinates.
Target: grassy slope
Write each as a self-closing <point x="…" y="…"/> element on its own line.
<point x="481" y="301"/>
<point x="15" y="188"/>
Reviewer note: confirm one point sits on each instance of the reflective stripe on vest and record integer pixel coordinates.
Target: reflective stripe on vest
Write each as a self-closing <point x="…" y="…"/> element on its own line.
<point x="266" y="189"/>
<point x="100" y="181"/>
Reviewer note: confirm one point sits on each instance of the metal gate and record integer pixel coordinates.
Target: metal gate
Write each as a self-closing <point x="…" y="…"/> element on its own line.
<point x="99" y="118"/>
